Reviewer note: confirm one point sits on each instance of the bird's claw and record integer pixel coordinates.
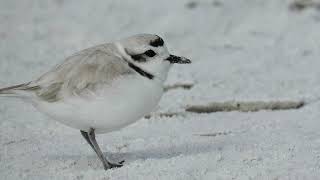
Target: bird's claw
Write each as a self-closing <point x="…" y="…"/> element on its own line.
<point x="116" y="165"/>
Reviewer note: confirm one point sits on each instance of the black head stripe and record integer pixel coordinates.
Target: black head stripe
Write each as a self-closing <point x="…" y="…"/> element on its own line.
<point x="157" y="42"/>
<point x="142" y="57"/>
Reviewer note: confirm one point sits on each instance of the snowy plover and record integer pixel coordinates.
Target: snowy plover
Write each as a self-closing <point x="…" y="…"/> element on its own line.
<point x="102" y="88"/>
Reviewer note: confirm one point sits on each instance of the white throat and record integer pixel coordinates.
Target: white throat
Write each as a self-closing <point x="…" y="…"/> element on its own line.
<point x="158" y="68"/>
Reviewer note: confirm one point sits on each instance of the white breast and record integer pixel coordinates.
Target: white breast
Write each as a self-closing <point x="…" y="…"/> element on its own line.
<point x="115" y="106"/>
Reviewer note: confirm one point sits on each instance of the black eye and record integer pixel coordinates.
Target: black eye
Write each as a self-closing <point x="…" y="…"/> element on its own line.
<point x="150" y="53"/>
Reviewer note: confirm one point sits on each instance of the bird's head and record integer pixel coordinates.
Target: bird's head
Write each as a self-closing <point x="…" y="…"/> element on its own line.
<point x="149" y="53"/>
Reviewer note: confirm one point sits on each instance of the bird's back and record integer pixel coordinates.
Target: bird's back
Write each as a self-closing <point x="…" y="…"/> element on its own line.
<point x="79" y="74"/>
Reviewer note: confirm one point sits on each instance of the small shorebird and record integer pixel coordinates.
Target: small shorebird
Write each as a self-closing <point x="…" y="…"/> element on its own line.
<point x="103" y="88"/>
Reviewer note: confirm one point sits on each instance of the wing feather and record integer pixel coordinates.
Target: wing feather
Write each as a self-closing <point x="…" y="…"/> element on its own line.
<point x="83" y="72"/>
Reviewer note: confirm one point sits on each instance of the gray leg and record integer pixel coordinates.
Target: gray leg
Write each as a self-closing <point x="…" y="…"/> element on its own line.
<point x="91" y="139"/>
<point x="86" y="137"/>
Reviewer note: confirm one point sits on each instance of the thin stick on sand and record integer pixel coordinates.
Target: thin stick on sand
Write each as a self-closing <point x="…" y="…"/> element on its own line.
<point x="244" y="106"/>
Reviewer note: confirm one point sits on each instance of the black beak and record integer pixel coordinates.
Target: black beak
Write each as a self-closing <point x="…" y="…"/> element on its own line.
<point x="179" y="60"/>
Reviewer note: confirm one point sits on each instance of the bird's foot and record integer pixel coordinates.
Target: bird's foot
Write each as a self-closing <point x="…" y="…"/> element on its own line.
<point x="114" y="165"/>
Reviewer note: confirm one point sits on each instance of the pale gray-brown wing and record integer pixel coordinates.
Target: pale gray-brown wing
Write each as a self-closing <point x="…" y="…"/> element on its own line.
<point x="83" y="72"/>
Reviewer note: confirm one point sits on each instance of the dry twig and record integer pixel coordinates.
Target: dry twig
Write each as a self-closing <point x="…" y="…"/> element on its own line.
<point x="244" y="106"/>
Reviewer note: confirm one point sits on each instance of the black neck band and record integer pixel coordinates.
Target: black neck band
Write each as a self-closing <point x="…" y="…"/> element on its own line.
<point x="140" y="71"/>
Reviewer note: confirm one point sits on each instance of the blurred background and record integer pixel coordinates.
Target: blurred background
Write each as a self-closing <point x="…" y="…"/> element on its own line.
<point x="241" y="50"/>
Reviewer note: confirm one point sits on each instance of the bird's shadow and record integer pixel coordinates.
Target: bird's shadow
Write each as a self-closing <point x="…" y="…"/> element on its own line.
<point x="158" y="152"/>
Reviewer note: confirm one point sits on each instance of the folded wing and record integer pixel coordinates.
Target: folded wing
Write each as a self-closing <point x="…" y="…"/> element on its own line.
<point x="81" y="73"/>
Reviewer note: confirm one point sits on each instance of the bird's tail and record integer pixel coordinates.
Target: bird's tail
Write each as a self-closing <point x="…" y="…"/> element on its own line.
<point x="11" y="91"/>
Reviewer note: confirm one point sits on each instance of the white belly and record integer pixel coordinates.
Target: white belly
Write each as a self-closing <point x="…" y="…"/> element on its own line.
<point x="126" y="102"/>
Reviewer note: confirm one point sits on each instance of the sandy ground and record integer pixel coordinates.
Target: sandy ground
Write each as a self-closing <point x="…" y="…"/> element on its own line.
<point x="241" y="50"/>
